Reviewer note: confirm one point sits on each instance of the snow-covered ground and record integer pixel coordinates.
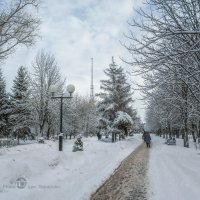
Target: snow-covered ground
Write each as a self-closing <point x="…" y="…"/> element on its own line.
<point x="174" y="171"/>
<point x="66" y="175"/>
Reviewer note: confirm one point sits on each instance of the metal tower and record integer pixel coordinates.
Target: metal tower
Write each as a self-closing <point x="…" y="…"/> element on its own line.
<point x="92" y="86"/>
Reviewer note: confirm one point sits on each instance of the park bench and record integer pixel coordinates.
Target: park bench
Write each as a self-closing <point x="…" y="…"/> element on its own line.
<point x="41" y="140"/>
<point x="171" y="141"/>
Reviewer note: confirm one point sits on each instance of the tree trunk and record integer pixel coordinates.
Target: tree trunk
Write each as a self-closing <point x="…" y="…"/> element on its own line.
<point x="199" y="130"/>
<point x="41" y="130"/>
<point x="113" y="137"/>
<point x="126" y="131"/>
<point x="186" y="139"/>
<point x="169" y="129"/>
<point x="48" y="133"/>
<point x="185" y="113"/>
<point x="177" y="133"/>
<point x="193" y="135"/>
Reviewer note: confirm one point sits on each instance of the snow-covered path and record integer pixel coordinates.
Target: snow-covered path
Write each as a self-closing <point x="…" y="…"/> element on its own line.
<point x="174" y="171"/>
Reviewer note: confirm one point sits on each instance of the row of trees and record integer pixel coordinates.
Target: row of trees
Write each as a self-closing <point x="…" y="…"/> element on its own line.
<point x="167" y="54"/>
<point x="17" y="27"/>
<point x="29" y="108"/>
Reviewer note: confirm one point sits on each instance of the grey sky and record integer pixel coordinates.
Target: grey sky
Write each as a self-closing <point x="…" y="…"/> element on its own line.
<point x="74" y="31"/>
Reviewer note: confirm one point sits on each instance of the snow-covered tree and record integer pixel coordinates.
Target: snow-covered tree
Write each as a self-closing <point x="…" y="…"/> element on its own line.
<point x="80" y="116"/>
<point x="123" y="121"/>
<point x="17" y="25"/>
<point x="167" y="54"/>
<point x="46" y="73"/>
<point x="21" y="106"/>
<point x="116" y="96"/>
<point x="4" y="108"/>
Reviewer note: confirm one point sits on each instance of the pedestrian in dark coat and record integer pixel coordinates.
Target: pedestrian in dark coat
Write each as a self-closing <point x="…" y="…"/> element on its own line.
<point x="147" y="139"/>
<point x="99" y="135"/>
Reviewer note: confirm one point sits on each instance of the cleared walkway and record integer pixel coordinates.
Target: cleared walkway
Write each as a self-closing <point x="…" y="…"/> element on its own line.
<point x="129" y="181"/>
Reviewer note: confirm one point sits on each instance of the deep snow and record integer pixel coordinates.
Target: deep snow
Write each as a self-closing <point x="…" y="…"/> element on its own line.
<point x="174" y="171"/>
<point x="66" y="175"/>
<point x="50" y="174"/>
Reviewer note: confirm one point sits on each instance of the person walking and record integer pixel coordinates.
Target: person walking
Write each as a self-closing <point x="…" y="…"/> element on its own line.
<point x="147" y="139"/>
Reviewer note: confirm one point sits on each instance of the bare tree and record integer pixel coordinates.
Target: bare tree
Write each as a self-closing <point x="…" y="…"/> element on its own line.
<point x="80" y="116"/>
<point x="17" y="25"/>
<point x="167" y="54"/>
<point x="46" y="73"/>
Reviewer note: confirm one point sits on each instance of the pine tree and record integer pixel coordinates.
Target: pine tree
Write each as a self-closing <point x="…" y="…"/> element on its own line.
<point x="123" y="121"/>
<point x="4" y="108"/>
<point x="116" y="96"/>
<point x="21" y="108"/>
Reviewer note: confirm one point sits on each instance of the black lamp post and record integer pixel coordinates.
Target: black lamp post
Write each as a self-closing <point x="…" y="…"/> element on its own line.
<point x="52" y="90"/>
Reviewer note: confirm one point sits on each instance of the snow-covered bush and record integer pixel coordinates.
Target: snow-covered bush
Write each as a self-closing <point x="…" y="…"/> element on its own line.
<point x="23" y="133"/>
<point x="8" y="143"/>
<point x="78" y="144"/>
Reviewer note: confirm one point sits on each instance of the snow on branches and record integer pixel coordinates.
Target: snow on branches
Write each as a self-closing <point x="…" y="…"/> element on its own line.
<point x="115" y="102"/>
<point x="122" y="119"/>
<point x="167" y="55"/>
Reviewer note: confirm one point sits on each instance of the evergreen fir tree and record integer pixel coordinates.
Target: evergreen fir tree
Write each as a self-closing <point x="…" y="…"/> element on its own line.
<point x="116" y="96"/>
<point x="4" y="108"/>
<point x="21" y="108"/>
<point x="123" y="121"/>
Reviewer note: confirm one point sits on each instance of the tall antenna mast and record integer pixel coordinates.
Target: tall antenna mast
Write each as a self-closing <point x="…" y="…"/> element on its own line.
<point x="113" y="62"/>
<point x="92" y="86"/>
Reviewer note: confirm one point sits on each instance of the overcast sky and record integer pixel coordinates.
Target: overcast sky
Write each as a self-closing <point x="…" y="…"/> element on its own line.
<point x="74" y="31"/>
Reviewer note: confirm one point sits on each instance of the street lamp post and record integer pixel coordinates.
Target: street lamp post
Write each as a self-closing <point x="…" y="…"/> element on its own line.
<point x="53" y="90"/>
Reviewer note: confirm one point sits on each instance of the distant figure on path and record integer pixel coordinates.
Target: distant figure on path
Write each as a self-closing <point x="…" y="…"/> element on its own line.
<point x="98" y="135"/>
<point x="147" y="139"/>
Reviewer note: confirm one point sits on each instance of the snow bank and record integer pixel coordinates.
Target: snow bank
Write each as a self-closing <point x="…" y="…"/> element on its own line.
<point x="174" y="171"/>
<point x="66" y="175"/>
